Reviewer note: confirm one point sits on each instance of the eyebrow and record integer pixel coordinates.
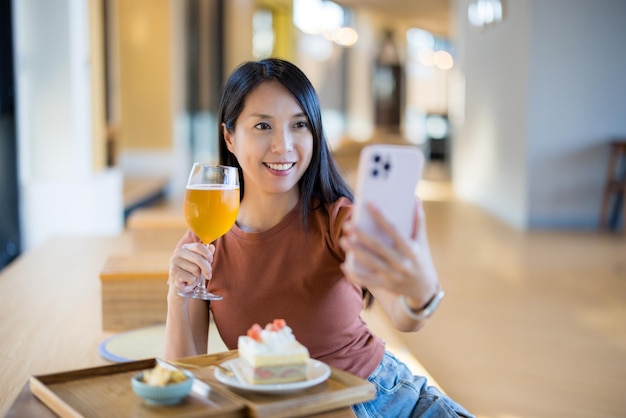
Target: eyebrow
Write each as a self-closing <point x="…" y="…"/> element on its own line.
<point x="265" y="116"/>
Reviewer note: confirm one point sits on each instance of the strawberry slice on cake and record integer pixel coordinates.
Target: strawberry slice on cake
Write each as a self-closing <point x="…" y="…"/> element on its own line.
<point x="272" y="355"/>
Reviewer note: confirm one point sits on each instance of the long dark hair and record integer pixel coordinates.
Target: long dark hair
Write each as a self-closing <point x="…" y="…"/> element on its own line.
<point x="322" y="182"/>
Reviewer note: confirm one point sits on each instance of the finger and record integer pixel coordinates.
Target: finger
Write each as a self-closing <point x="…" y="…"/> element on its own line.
<point x="184" y="274"/>
<point x="361" y="277"/>
<point x="383" y="258"/>
<point x="397" y="240"/>
<point x="419" y="220"/>
<point x="416" y="218"/>
<point x="185" y="289"/>
<point x="201" y="249"/>
<point x="199" y="255"/>
<point x="390" y="271"/>
<point x="181" y="266"/>
<point x="183" y="281"/>
<point x="374" y="271"/>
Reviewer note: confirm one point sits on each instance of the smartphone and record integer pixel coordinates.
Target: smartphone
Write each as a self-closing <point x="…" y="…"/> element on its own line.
<point x="387" y="176"/>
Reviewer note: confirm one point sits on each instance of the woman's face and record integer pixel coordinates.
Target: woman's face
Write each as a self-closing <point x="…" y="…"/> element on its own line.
<point x="272" y="141"/>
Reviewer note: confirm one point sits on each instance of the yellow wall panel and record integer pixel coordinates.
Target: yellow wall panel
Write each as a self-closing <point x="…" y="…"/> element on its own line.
<point x="145" y="74"/>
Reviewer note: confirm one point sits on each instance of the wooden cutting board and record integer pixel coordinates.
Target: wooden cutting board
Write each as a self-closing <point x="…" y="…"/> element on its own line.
<point x="106" y="391"/>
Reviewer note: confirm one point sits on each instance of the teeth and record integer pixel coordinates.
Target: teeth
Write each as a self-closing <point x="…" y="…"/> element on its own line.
<point x="280" y="167"/>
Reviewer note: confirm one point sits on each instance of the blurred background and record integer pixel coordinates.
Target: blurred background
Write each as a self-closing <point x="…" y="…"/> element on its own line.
<point x="517" y="101"/>
<point x="105" y="104"/>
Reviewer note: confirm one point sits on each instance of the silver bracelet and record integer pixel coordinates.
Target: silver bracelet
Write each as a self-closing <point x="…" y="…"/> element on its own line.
<point x="427" y="310"/>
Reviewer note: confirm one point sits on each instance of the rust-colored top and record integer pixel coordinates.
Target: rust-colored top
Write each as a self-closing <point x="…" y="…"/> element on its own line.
<point x="292" y="273"/>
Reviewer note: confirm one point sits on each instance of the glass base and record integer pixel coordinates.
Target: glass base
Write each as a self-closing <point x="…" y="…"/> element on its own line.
<point x="199" y="293"/>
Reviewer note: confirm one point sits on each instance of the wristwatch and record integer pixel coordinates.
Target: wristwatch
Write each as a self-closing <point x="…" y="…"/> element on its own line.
<point x="427" y="310"/>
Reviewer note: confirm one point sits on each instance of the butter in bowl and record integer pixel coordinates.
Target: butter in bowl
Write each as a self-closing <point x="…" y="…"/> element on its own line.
<point x="163" y="385"/>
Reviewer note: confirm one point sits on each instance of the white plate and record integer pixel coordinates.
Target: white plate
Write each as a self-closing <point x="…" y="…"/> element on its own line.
<point x="317" y="372"/>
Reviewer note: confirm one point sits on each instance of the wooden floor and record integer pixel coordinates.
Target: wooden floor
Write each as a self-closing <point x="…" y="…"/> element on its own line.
<point x="533" y="324"/>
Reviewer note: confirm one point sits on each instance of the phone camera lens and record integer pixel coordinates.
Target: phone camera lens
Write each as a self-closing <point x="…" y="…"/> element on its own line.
<point x="377" y="158"/>
<point x="375" y="172"/>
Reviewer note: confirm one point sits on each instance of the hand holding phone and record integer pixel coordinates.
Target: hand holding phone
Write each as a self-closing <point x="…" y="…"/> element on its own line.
<point x="387" y="176"/>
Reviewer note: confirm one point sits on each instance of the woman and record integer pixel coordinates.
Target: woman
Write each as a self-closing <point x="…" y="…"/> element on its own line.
<point x="284" y="258"/>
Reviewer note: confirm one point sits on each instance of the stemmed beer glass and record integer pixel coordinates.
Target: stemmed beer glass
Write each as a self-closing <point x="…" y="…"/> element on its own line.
<point x="210" y="207"/>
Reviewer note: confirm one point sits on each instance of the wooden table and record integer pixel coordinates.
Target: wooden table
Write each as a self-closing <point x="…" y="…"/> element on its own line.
<point x="50" y="311"/>
<point x="50" y="316"/>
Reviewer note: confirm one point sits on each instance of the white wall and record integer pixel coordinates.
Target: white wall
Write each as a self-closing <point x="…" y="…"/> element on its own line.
<point x="490" y="148"/>
<point x="544" y="95"/>
<point x="577" y="86"/>
<point x="60" y="192"/>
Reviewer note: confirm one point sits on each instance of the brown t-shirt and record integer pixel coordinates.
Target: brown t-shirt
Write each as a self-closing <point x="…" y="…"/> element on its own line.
<point x="291" y="273"/>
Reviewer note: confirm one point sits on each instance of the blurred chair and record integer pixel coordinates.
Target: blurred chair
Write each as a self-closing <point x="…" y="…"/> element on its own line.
<point x="615" y="188"/>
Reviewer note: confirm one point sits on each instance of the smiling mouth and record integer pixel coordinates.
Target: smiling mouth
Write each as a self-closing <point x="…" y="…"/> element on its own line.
<point x="280" y="166"/>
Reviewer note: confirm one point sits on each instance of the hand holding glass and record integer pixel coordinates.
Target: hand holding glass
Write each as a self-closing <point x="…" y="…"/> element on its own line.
<point x="211" y="206"/>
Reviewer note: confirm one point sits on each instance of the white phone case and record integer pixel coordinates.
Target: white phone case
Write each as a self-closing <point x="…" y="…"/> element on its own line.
<point x="387" y="176"/>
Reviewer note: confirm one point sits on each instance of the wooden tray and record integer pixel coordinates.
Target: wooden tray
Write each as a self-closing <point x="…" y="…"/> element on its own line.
<point x="106" y="391"/>
<point x="340" y="390"/>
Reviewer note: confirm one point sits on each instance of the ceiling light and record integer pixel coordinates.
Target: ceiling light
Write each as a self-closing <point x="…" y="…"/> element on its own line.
<point x="482" y="13"/>
<point x="443" y="60"/>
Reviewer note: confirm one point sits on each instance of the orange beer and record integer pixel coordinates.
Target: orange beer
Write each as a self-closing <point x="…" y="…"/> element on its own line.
<point x="211" y="209"/>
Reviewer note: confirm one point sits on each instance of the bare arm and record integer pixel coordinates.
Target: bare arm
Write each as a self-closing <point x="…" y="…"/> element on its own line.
<point x="404" y="269"/>
<point x="187" y="322"/>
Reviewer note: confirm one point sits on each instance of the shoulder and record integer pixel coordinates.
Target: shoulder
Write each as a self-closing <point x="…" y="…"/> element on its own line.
<point x="340" y="210"/>
<point x="330" y="218"/>
<point x="333" y="212"/>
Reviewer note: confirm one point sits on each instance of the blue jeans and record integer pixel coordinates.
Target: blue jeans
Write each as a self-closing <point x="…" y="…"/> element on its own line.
<point x="401" y="394"/>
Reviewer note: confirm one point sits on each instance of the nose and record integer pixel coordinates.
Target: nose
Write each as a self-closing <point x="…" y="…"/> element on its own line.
<point x="282" y="141"/>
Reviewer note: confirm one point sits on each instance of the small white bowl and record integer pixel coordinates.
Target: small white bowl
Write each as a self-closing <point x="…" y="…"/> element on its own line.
<point x="171" y="394"/>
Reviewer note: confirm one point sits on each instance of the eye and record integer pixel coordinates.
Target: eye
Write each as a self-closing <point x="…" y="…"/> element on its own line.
<point x="262" y="126"/>
<point x="301" y="125"/>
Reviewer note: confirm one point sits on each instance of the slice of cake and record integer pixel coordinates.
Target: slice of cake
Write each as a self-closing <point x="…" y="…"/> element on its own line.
<point x="272" y="355"/>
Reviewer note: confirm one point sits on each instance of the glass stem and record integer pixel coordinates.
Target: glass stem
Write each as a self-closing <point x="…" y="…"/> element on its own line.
<point x="201" y="288"/>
